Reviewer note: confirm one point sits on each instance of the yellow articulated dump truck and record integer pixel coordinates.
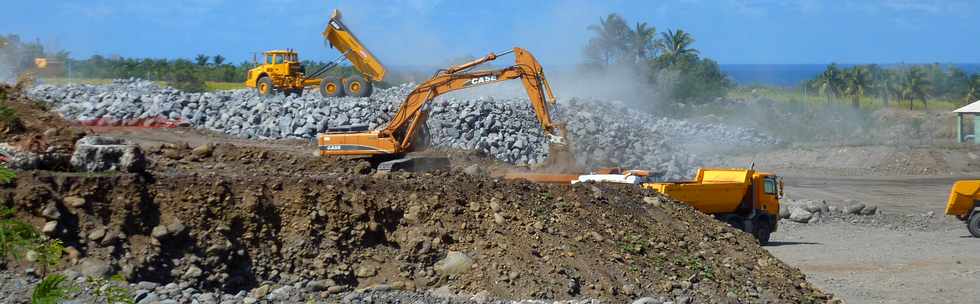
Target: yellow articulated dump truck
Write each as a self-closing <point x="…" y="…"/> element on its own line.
<point x="964" y="203"/>
<point x="743" y="198"/>
<point x="281" y="70"/>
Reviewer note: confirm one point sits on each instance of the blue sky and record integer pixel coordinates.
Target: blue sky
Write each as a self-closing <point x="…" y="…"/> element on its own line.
<point x="428" y="32"/>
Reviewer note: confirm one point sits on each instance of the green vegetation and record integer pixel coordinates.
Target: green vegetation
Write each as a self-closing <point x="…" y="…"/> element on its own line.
<point x="922" y="83"/>
<point x="110" y="291"/>
<point x="16" y="237"/>
<point x="669" y="62"/>
<point x="192" y="75"/>
<point x="51" y="290"/>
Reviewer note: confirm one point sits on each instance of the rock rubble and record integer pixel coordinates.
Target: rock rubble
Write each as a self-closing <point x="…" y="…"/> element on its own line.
<point x="602" y="133"/>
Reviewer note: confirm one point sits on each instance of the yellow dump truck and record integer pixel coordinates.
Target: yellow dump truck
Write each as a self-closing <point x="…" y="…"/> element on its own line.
<point x="743" y="198"/>
<point x="964" y="204"/>
<point x="282" y="71"/>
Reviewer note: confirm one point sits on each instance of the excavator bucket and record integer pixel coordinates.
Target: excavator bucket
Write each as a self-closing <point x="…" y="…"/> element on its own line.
<point x="342" y="39"/>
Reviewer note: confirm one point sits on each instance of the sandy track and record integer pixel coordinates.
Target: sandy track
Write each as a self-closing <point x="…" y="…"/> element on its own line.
<point x="875" y="265"/>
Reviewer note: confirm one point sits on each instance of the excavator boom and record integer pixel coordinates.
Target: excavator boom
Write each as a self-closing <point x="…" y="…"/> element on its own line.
<point x="399" y="135"/>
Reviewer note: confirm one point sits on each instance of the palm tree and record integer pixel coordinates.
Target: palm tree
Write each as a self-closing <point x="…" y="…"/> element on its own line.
<point x="641" y="42"/>
<point x="218" y="59"/>
<point x="857" y="82"/>
<point x="916" y="86"/>
<point x="610" y="43"/>
<point x="830" y="82"/>
<point x="675" y="45"/>
<point x="201" y="59"/>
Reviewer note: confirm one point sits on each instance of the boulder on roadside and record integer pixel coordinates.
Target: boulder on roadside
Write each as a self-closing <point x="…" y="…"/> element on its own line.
<point x="784" y="212"/>
<point x="800" y="215"/>
<point x="869" y="210"/>
<point x="854" y="208"/>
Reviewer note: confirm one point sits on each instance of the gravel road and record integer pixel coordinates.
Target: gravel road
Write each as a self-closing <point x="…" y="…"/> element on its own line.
<point x="876" y="265"/>
<point x="908" y="194"/>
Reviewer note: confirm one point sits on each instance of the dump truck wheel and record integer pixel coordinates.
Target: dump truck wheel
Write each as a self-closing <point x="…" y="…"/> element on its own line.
<point x="264" y="86"/>
<point x="762" y="232"/>
<point x="974" y="224"/>
<point x="331" y="87"/>
<point x="357" y="86"/>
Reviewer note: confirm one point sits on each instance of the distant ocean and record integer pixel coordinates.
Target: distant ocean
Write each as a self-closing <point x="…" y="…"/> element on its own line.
<point x="788" y="75"/>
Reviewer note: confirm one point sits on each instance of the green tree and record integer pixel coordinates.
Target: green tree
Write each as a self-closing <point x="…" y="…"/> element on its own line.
<point x="857" y="82"/>
<point x="219" y="60"/>
<point x="642" y="42"/>
<point x="610" y="43"/>
<point x="201" y="59"/>
<point x="675" y="46"/>
<point x="830" y="82"/>
<point x="916" y="85"/>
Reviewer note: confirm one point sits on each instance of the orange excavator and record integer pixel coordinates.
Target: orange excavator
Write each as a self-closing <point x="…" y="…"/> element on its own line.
<point x="405" y="132"/>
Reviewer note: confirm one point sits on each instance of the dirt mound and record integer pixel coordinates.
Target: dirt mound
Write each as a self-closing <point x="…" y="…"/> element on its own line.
<point x="524" y="240"/>
<point x="28" y="125"/>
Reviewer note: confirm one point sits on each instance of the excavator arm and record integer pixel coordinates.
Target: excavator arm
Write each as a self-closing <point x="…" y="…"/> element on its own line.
<point x="411" y="116"/>
<point x="397" y="137"/>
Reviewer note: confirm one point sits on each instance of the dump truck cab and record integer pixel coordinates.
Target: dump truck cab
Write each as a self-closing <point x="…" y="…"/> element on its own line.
<point x="964" y="204"/>
<point x="279" y="70"/>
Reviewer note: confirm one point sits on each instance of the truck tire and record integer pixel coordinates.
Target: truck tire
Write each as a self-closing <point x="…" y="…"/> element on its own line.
<point x="357" y="86"/>
<point x="331" y="87"/>
<point x="762" y="232"/>
<point x="264" y="86"/>
<point x="973" y="224"/>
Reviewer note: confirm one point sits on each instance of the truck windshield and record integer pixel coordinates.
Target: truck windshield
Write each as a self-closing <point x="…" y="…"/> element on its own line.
<point x="279" y="59"/>
<point x="770" y="186"/>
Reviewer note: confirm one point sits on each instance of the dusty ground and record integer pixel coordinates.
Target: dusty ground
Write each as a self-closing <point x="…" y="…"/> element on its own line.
<point x="898" y="257"/>
<point x="865" y="264"/>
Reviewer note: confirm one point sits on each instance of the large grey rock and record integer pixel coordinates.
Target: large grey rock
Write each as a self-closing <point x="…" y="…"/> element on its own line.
<point x="854" y="208"/>
<point x="869" y="210"/>
<point x="92" y="267"/>
<point x="800" y="215"/>
<point x="99" y="153"/>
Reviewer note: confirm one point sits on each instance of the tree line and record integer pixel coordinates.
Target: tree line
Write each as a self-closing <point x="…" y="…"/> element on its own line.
<point x="900" y="84"/>
<point x="186" y="74"/>
<point x="667" y="59"/>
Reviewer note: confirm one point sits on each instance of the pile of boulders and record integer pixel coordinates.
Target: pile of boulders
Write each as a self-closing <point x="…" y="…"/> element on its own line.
<point x="602" y="133"/>
<point x="811" y="211"/>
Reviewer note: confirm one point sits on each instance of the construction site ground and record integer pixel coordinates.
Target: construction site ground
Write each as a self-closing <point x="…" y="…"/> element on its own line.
<point x="911" y="253"/>
<point x="882" y="262"/>
<point x="586" y="240"/>
<point x="216" y="213"/>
